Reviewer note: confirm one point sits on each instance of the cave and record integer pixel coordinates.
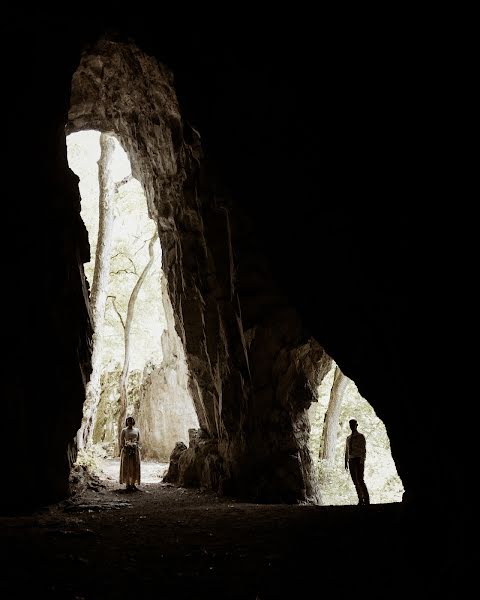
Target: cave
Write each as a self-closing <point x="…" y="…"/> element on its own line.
<point x="134" y="331"/>
<point x="282" y="184"/>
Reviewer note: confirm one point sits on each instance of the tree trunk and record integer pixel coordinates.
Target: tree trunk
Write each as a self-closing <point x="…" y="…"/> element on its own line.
<point x="98" y="294"/>
<point x="330" y="428"/>
<point x="127" y="328"/>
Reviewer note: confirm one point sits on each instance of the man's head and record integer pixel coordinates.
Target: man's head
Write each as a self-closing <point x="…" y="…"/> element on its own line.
<point x="130" y="421"/>
<point x="353" y="424"/>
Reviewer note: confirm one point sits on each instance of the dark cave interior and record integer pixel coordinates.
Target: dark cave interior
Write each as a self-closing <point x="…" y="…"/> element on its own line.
<point x="318" y="142"/>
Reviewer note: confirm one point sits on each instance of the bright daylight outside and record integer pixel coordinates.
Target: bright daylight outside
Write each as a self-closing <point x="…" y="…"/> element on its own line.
<point x="338" y="402"/>
<point x="139" y="367"/>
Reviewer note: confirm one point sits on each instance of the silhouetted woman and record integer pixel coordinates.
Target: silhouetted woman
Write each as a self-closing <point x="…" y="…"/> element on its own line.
<point x="130" y="455"/>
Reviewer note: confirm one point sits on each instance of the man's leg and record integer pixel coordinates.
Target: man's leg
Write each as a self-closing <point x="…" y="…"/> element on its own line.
<point x="353" y="467"/>
<point x="361" y="483"/>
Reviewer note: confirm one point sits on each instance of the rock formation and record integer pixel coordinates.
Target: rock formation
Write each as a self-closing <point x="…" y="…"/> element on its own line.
<point x="255" y="349"/>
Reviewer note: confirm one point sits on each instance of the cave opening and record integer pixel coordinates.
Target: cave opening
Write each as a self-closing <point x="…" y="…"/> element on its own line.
<point x="252" y="372"/>
<point x="338" y="401"/>
<point x="138" y="364"/>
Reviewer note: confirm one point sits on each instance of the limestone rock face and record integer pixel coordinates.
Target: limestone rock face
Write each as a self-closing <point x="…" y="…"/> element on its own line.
<point x="166" y="411"/>
<point x="199" y="465"/>
<point x="48" y="320"/>
<point x="252" y="369"/>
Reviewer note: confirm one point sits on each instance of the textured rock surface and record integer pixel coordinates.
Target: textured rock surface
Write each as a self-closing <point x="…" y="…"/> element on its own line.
<point x="47" y="317"/>
<point x="252" y="373"/>
<point x="360" y="313"/>
<point x="333" y="149"/>
<point x="166" y="411"/>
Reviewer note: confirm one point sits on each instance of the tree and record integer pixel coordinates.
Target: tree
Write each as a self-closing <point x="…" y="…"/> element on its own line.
<point x="127" y="326"/>
<point x="330" y="428"/>
<point x="99" y="291"/>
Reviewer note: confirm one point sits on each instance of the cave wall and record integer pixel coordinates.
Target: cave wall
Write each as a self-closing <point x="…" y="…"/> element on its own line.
<point x="344" y="161"/>
<point x="166" y="411"/>
<point x="48" y="325"/>
<point x="246" y="348"/>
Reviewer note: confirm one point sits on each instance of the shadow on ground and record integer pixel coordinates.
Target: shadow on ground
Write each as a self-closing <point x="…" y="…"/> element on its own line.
<point x="167" y="542"/>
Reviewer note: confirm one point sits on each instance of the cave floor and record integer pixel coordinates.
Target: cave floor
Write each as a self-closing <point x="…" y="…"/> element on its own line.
<point x="168" y="542"/>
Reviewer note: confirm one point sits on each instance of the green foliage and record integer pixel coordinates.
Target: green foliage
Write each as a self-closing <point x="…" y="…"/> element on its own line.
<point x="106" y="431"/>
<point x="88" y="459"/>
<point x="335" y="484"/>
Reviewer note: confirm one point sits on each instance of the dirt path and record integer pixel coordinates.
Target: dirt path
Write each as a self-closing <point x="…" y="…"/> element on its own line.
<point x="151" y="471"/>
<point x="165" y="542"/>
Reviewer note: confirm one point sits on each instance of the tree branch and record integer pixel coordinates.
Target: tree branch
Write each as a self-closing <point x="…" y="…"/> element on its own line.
<point x="116" y="310"/>
<point x="123" y="182"/>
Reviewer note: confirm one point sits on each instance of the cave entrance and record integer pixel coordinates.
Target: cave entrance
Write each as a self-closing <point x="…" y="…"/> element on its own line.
<point x="139" y="368"/>
<point x="339" y="401"/>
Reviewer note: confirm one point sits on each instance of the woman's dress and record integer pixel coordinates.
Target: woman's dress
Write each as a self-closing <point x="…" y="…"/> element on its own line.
<point x="130" y="456"/>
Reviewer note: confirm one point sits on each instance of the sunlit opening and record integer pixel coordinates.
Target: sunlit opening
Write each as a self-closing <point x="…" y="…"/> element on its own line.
<point x="134" y="335"/>
<point x="380" y="476"/>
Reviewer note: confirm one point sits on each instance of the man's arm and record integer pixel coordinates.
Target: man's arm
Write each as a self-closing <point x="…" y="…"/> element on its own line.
<point x="346" y="455"/>
<point x="364" y="449"/>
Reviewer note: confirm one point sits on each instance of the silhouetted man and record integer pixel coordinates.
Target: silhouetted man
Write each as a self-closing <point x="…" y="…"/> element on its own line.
<point x="355" y="453"/>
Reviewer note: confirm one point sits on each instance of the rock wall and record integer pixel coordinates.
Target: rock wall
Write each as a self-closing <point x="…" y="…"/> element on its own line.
<point x="166" y="411"/>
<point x="250" y="361"/>
<point x="345" y="186"/>
<point x="47" y="321"/>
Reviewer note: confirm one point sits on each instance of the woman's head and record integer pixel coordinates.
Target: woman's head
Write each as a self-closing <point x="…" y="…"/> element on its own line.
<point x="130" y="422"/>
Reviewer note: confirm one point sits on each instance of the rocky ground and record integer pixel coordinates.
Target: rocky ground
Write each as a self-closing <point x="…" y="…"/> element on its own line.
<point x="167" y="542"/>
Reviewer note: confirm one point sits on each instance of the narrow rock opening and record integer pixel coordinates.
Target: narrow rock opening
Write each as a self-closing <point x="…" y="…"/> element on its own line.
<point x="138" y="363"/>
<point x="339" y="401"/>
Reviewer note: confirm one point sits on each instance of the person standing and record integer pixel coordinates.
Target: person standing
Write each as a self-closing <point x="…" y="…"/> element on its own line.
<point x="355" y="454"/>
<point x="130" y="455"/>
